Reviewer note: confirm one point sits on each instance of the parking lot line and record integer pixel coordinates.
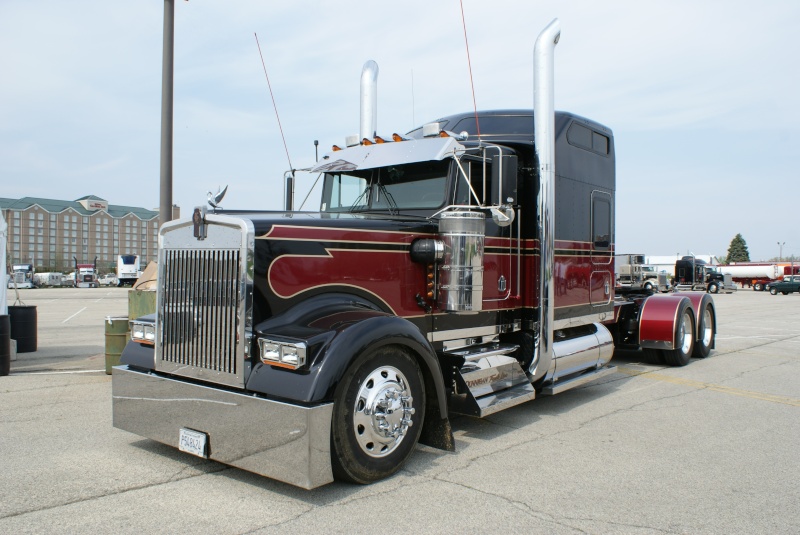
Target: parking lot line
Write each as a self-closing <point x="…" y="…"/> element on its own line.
<point x="78" y="312"/>
<point x="709" y="386"/>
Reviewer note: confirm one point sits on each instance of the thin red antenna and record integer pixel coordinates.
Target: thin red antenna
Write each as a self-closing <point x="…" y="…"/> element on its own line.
<point x="469" y="64"/>
<point x="273" y="103"/>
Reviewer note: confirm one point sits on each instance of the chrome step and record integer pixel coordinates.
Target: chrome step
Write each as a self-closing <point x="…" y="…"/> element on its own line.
<point x="473" y="353"/>
<point x="492" y="384"/>
<point x="566" y="384"/>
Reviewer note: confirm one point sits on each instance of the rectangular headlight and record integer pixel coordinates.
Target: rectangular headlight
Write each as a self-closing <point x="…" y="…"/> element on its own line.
<point x="284" y="354"/>
<point x="143" y="333"/>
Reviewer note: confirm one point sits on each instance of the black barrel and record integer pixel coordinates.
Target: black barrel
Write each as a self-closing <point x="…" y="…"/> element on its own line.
<point x="23" y="327"/>
<point x="5" y="345"/>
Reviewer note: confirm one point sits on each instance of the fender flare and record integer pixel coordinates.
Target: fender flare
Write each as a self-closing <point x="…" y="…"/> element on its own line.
<point x="658" y="318"/>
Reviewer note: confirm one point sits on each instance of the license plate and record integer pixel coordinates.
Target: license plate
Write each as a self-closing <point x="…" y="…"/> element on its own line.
<point x="193" y="442"/>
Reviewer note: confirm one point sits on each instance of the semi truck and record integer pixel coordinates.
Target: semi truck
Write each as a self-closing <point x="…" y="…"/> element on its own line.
<point x="22" y="276"/>
<point x="444" y="272"/>
<point x="86" y="275"/>
<point x="128" y="271"/>
<point x="633" y="273"/>
<point x="695" y="274"/>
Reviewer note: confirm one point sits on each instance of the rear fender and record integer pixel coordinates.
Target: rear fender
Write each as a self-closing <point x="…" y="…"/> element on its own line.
<point x="699" y="302"/>
<point x="658" y="319"/>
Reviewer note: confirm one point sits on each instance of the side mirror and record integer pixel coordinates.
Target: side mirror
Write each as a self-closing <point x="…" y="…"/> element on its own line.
<point x="504" y="180"/>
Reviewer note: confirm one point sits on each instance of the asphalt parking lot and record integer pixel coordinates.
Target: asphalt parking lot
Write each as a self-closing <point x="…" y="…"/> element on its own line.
<point x="713" y="447"/>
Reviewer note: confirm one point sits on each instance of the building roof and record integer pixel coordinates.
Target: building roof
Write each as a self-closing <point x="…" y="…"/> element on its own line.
<point x="58" y="206"/>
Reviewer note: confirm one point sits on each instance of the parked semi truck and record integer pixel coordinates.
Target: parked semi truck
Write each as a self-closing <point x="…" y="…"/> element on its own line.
<point x="633" y="273"/>
<point x="22" y="276"/>
<point x="442" y="274"/>
<point x="128" y="271"/>
<point x="86" y="275"/>
<point x="695" y="274"/>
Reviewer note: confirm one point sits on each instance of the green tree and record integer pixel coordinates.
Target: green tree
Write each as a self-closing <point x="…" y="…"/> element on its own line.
<point x="737" y="250"/>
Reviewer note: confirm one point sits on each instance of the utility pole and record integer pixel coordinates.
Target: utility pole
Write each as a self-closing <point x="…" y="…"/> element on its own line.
<point x="780" y="251"/>
<point x="165" y="200"/>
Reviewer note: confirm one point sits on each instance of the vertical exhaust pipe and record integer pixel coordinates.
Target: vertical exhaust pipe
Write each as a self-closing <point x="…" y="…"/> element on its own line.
<point x="369" y="101"/>
<point x="544" y="143"/>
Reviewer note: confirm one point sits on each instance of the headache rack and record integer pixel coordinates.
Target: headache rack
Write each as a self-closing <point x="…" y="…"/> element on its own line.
<point x="203" y="309"/>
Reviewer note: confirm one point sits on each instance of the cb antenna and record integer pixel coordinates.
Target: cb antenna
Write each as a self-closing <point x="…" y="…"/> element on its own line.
<point x="469" y="65"/>
<point x="273" y="103"/>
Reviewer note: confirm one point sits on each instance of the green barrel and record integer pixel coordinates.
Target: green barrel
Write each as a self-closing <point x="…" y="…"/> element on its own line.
<point x="117" y="337"/>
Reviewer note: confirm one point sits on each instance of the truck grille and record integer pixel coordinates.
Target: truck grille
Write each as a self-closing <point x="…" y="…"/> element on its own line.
<point x="199" y="306"/>
<point x="204" y="309"/>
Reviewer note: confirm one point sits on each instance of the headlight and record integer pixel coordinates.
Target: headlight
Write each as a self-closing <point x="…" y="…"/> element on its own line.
<point x="143" y="332"/>
<point x="285" y="354"/>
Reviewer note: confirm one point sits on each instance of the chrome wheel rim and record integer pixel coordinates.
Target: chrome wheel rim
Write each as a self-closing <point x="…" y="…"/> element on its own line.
<point x="708" y="327"/>
<point x="685" y="334"/>
<point x="382" y="411"/>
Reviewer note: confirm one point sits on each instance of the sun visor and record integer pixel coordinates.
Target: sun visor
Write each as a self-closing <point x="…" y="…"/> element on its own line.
<point x="384" y="154"/>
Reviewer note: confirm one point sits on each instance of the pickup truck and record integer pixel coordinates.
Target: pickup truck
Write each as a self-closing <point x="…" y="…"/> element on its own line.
<point x="786" y="286"/>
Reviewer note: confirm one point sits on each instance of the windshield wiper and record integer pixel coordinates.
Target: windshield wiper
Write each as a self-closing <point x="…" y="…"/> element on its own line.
<point x="389" y="199"/>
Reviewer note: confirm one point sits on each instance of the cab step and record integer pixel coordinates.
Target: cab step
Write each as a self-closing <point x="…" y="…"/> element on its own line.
<point x="578" y="380"/>
<point x="489" y="381"/>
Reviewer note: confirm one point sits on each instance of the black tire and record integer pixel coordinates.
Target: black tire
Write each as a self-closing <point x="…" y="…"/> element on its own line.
<point x="706" y="332"/>
<point x="785" y="293"/>
<point x="388" y="383"/>
<point x="684" y="338"/>
<point x="713" y="288"/>
<point x="773" y="291"/>
<point x="648" y="286"/>
<point x="757" y="287"/>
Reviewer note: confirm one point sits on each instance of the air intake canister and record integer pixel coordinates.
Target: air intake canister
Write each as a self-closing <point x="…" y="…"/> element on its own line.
<point x="461" y="270"/>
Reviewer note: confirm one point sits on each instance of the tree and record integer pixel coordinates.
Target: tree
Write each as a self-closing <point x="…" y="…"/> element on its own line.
<point x="737" y="250"/>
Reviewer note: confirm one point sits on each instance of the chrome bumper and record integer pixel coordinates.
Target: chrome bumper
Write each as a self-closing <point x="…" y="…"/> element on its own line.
<point x="286" y="442"/>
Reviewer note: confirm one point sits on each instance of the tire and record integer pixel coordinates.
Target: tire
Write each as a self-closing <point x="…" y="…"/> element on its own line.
<point x="773" y="291"/>
<point x="757" y="287"/>
<point x="684" y="338"/>
<point x="706" y="333"/>
<point x="381" y="388"/>
<point x="713" y="288"/>
<point x="648" y="286"/>
<point x="785" y="293"/>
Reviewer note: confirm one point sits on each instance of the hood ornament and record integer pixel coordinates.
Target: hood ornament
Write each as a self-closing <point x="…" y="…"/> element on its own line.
<point x="215" y="200"/>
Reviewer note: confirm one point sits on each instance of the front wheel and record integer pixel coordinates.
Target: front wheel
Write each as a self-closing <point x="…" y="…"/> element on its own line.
<point x="773" y="291"/>
<point x="713" y="288"/>
<point x="378" y="412"/>
<point x="684" y="339"/>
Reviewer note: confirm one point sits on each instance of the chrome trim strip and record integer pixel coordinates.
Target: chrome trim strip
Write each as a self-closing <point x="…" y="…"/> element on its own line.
<point x="296" y="450"/>
<point x="471" y="332"/>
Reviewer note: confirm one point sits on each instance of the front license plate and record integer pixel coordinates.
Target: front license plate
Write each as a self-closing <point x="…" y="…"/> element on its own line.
<point x="193" y="442"/>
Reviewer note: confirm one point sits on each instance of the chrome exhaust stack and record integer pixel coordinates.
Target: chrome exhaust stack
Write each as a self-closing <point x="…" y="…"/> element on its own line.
<point x="369" y="101"/>
<point x="545" y="147"/>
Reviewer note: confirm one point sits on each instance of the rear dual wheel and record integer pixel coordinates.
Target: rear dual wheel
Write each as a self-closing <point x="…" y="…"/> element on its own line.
<point x="378" y="412"/>
<point x="684" y="338"/>
<point x="706" y="332"/>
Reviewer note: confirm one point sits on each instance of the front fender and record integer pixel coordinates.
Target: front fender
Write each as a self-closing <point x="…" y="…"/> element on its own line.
<point x="336" y="349"/>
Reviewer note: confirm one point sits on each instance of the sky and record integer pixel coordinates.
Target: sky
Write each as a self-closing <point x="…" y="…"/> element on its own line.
<point x="703" y="98"/>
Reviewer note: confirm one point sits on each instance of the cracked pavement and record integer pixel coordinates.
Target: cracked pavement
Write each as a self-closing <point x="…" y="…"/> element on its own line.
<point x="712" y="447"/>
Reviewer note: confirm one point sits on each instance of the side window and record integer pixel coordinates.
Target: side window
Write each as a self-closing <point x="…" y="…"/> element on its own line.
<point x="479" y="181"/>
<point x="343" y="192"/>
<point x="601" y="220"/>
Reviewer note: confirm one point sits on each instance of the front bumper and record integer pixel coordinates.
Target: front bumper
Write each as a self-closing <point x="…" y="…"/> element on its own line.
<point x="278" y="440"/>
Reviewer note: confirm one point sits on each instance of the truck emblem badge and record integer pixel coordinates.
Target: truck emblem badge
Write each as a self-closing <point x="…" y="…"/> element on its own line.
<point x="199" y="224"/>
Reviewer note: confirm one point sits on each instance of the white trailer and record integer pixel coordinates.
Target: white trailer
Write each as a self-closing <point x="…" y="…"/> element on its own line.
<point x="128" y="269"/>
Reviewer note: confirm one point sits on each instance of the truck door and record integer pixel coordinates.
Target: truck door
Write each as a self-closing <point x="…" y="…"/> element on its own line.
<point x="602" y="255"/>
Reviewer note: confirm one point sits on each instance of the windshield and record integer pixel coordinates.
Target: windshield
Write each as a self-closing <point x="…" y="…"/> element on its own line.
<point x="409" y="186"/>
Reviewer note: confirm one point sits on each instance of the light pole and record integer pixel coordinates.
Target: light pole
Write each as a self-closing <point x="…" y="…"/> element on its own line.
<point x="165" y="201"/>
<point x="780" y="251"/>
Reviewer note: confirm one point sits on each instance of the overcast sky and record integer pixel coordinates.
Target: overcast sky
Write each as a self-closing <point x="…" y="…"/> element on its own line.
<point x="702" y="97"/>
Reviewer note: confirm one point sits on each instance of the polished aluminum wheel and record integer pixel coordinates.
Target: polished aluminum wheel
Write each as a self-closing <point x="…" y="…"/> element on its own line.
<point x="382" y="412"/>
<point x="685" y="334"/>
<point x="708" y="327"/>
